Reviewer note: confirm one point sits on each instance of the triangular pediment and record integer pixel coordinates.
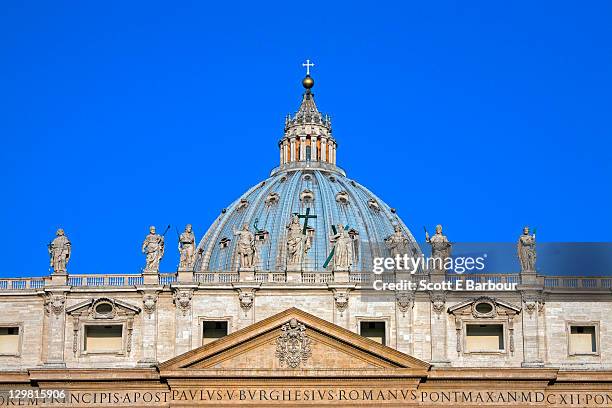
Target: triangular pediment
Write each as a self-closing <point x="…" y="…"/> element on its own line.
<point x="103" y="307"/>
<point x="292" y="340"/>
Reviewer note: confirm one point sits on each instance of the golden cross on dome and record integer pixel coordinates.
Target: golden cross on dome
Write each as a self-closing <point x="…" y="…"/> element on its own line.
<point x="308" y="64"/>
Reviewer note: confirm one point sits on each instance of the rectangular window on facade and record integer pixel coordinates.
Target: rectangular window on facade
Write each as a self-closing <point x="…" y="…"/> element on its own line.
<point x="213" y="330"/>
<point x="9" y="340"/>
<point x="374" y="331"/>
<point x="103" y="338"/>
<point x="582" y="340"/>
<point x="484" y="338"/>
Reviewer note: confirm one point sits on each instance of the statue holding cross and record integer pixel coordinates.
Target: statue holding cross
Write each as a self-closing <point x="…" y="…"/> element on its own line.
<point x="298" y="241"/>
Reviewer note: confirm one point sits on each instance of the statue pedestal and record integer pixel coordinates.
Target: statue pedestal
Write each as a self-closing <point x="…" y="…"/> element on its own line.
<point x="294" y="275"/>
<point x="59" y="279"/>
<point x="341" y="276"/>
<point x="247" y="274"/>
<point x="150" y="278"/>
<point x="437" y="275"/>
<point x="184" y="276"/>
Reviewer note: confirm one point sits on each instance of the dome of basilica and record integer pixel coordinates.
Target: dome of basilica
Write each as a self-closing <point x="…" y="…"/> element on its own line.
<point x="294" y="218"/>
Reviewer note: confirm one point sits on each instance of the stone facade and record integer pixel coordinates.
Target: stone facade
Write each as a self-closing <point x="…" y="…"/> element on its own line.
<point x="424" y="329"/>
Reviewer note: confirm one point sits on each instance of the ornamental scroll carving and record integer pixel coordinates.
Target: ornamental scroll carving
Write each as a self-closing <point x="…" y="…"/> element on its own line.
<point x="54" y="304"/>
<point x="293" y="345"/>
<point x="182" y="300"/>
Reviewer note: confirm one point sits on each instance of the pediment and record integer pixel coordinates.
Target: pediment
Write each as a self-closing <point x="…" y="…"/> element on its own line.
<point x="483" y="307"/>
<point x="103" y="307"/>
<point x="292" y="340"/>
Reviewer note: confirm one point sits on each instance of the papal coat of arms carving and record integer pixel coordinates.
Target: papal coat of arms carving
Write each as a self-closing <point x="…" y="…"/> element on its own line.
<point x="293" y="345"/>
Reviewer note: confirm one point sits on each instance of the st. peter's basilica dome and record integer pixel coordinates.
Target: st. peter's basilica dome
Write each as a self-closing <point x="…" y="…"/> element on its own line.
<point x="307" y="182"/>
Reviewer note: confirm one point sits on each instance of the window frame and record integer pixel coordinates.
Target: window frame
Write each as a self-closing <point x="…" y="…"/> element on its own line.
<point x="568" y="330"/>
<point x="12" y="325"/>
<point x="202" y="319"/>
<point x="379" y="319"/>
<point x="494" y="322"/>
<point x="83" y="328"/>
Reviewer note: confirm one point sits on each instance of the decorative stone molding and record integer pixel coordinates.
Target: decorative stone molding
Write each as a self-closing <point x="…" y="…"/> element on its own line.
<point x="182" y="300"/>
<point x="405" y="301"/>
<point x="373" y="204"/>
<point x="75" y="334"/>
<point x="95" y="309"/>
<point x="244" y="203"/>
<point x="103" y="308"/>
<point x="307" y="196"/>
<point x="246" y="299"/>
<point x="54" y="304"/>
<point x="271" y="199"/>
<point x="341" y="299"/>
<point x="149" y="303"/>
<point x="438" y="301"/>
<point x="482" y="310"/>
<point x="342" y="197"/>
<point x="533" y="302"/>
<point x="293" y="345"/>
<point x="130" y="328"/>
<point x="484" y="307"/>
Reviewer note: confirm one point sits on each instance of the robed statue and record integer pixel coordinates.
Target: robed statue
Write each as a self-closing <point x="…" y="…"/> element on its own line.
<point x="343" y="249"/>
<point x="186" y="247"/>
<point x="247" y="252"/>
<point x="153" y="248"/>
<point x="440" y="248"/>
<point x="298" y="243"/>
<point x="397" y="242"/>
<point x="526" y="251"/>
<point x="59" y="252"/>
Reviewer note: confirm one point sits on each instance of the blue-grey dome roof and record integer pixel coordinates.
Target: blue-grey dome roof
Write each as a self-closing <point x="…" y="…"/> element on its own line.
<point x="269" y="205"/>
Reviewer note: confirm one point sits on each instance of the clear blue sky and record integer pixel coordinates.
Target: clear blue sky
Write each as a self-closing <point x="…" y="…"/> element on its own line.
<point x="482" y="116"/>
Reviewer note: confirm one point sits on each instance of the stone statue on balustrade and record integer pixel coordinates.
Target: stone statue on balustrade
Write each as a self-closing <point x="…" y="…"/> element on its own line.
<point x="343" y="249"/>
<point x="527" y="251"/>
<point x="186" y="247"/>
<point x="59" y="252"/>
<point x="298" y="243"/>
<point x="247" y="252"/>
<point x="153" y="248"/>
<point x="440" y="249"/>
<point x="397" y="243"/>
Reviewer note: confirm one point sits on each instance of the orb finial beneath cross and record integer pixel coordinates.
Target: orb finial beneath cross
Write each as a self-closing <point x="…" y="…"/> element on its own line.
<point x="308" y="82"/>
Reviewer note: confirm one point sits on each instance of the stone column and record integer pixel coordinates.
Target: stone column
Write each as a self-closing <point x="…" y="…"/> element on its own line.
<point x="183" y="302"/>
<point x="55" y="313"/>
<point x="292" y="150"/>
<point x="313" y="148"/>
<point x="281" y="149"/>
<point x="149" y="328"/>
<point x="332" y="153"/>
<point x="404" y="306"/>
<point x="439" y="321"/>
<point x="302" y="148"/>
<point x="532" y="304"/>
<point x="323" y="149"/>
